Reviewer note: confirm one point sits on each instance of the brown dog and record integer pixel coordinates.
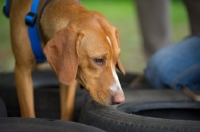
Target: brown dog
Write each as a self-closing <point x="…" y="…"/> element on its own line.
<point x="79" y="44"/>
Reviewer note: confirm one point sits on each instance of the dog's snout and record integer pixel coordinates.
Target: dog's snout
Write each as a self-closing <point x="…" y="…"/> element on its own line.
<point x="117" y="95"/>
<point x="117" y="99"/>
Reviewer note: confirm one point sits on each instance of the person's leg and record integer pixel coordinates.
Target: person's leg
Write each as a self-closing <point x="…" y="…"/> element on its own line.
<point x="176" y="66"/>
<point x="193" y="9"/>
<point x="154" y="22"/>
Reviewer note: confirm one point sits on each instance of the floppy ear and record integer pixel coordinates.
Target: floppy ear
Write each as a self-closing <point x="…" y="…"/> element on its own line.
<point x="120" y="67"/>
<point x="61" y="53"/>
<point x="119" y="64"/>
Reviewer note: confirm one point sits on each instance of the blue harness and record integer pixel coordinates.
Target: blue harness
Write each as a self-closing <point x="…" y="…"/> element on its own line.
<point x="30" y="20"/>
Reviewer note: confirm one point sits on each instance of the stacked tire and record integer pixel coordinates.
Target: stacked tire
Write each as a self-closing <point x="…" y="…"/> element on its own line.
<point x="145" y="109"/>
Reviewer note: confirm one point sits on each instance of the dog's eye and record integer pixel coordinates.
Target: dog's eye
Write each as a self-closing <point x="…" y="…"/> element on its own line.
<point x="99" y="62"/>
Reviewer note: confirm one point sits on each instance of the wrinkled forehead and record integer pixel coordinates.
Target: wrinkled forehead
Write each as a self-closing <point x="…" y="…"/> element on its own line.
<point x="100" y="43"/>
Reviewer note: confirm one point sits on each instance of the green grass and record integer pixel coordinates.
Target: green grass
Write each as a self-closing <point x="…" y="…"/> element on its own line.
<point x="6" y="57"/>
<point x="179" y="19"/>
<point x="122" y="14"/>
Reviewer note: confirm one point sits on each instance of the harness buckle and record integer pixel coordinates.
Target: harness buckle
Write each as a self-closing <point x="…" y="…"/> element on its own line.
<point x="30" y="19"/>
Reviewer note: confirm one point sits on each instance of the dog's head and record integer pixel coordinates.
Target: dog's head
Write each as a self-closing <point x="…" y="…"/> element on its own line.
<point x="90" y="56"/>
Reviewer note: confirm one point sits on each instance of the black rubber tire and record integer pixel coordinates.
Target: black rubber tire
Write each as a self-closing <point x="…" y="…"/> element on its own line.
<point x="3" y="110"/>
<point x="46" y="94"/>
<point x="119" y="118"/>
<point x="17" y="124"/>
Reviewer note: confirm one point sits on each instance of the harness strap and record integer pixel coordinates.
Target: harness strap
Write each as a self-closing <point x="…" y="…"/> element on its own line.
<point x="30" y="20"/>
<point x="6" y="9"/>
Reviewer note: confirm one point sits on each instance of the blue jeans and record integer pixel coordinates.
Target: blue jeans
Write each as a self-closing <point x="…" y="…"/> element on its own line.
<point x="176" y="66"/>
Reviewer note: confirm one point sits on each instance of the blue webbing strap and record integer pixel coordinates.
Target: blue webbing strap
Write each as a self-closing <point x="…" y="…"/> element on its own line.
<point x="6" y="8"/>
<point x="33" y="32"/>
<point x="30" y="20"/>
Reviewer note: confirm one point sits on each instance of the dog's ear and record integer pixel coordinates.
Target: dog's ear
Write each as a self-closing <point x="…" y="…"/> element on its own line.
<point x="120" y="67"/>
<point x="61" y="53"/>
<point x="119" y="64"/>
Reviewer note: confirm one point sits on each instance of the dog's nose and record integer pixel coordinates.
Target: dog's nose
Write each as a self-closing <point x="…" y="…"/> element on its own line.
<point x="117" y="99"/>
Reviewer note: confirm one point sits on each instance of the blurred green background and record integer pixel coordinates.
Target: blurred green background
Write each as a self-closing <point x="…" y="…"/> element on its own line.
<point x="122" y="14"/>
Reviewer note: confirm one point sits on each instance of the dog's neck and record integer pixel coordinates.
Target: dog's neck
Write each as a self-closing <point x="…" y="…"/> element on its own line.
<point x="68" y="9"/>
<point x="42" y="6"/>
